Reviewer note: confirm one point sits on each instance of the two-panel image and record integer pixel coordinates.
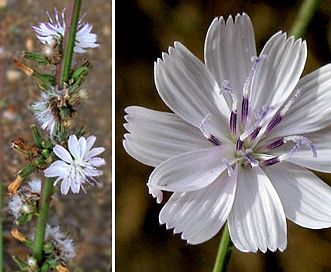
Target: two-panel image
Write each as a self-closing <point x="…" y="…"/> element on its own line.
<point x="166" y="135"/>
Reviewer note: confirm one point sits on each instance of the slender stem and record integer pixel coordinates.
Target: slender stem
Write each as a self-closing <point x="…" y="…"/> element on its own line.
<point x="69" y="38"/>
<point x="45" y="199"/>
<point x="306" y="12"/>
<point x="2" y="73"/>
<point x="224" y="251"/>
<point x="64" y="71"/>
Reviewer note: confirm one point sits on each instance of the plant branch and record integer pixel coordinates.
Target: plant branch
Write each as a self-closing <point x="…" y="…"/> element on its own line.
<point x="304" y="17"/>
<point x="224" y="251"/>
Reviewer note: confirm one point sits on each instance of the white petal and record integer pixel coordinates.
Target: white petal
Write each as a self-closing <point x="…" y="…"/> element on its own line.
<point x="57" y="168"/>
<point x="74" y="147"/>
<point x="304" y="157"/>
<point x="192" y="170"/>
<point x="82" y="147"/>
<point x="306" y="198"/>
<point x="65" y="186"/>
<point x="90" y="142"/>
<point x="278" y="74"/>
<point x="257" y="220"/>
<point x="157" y="136"/>
<point x="97" y="162"/>
<point x="189" y="89"/>
<point x="228" y="50"/>
<point x="75" y="187"/>
<point x="199" y="215"/>
<point x="62" y="153"/>
<point x="312" y="111"/>
<point x="94" y="152"/>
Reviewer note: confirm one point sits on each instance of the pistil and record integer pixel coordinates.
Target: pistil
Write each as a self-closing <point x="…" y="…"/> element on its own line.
<point x="211" y="138"/>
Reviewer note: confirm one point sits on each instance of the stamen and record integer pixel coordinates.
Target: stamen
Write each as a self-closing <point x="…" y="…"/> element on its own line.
<point x="252" y="162"/>
<point x="298" y="139"/>
<point x="239" y="145"/>
<point x="254" y="130"/>
<point x="244" y="110"/>
<point x="233" y="123"/>
<point x="274" y="145"/>
<point x="233" y="116"/>
<point x="230" y="168"/>
<point x="244" y="104"/>
<point x="211" y="138"/>
<point x="269" y="162"/>
<point x="276" y="120"/>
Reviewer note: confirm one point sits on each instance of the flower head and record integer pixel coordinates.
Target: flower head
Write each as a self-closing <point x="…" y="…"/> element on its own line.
<point x="43" y="112"/>
<point x="243" y="132"/>
<point x="63" y="247"/>
<point x="46" y="32"/>
<point x="24" y="202"/>
<point x="77" y="165"/>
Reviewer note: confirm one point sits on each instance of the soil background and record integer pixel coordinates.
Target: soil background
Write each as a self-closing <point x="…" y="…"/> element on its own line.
<point x="145" y="29"/>
<point x="85" y="217"/>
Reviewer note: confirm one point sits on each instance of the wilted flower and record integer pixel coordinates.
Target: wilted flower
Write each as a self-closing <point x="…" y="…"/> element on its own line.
<point x="24" y="202"/>
<point x="77" y="165"/>
<point x="46" y="32"/>
<point x="43" y="112"/>
<point x="58" y="245"/>
<point x="241" y="163"/>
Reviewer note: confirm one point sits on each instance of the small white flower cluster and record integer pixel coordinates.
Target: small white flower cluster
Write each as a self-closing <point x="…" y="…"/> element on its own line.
<point x="62" y="247"/>
<point x="23" y="203"/>
<point x="46" y="32"/>
<point x="78" y="164"/>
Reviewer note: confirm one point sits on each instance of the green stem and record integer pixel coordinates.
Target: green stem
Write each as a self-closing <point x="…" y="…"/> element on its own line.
<point x="69" y="39"/>
<point x="45" y="198"/>
<point x="224" y="251"/>
<point x="306" y="12"/>
<point x="1" y="229"/>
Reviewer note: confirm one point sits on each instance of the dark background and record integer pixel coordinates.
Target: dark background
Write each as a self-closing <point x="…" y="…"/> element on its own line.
<point x="145" y="29"/>
<point x="85" y="217"/>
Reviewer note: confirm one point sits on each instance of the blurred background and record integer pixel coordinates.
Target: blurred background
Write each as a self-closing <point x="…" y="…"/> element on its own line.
<point x="85" y="217"/>
<point x="145" y="29"/>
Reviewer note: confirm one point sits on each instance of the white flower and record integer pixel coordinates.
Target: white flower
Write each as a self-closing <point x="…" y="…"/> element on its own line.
<point x="77" y="165"/>
<point x="243" y="132"/>
<point x="55" y="29"/>
<point x="43" y="113"/>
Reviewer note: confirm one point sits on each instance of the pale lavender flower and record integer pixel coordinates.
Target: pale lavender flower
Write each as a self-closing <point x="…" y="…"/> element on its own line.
<point x="243" y="132"/>
<point x="55" y="29"/>
<point x="77" y="165"/>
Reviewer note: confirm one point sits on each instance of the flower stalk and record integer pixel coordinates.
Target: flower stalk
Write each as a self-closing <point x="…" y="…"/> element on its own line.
<point x="45" y="198"/>
<point x="305" y="15"/>
<point x="69" y="38"/>
<point x="224" y="251"/>
<point x="47" y="185"/>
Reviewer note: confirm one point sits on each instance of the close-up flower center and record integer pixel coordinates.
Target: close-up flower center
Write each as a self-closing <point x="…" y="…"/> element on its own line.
<point x="246" y="138"/>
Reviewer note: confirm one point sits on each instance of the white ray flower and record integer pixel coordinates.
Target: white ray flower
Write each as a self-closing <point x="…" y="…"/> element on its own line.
<point x="77" y="165"/>
<point x="43" y="113"/>
<point x="243" y="132"/>
<point x="55" y="29"/>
